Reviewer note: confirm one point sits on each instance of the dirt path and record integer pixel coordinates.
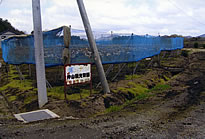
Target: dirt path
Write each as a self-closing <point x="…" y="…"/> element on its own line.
<point x="194" y="50"/>
<point x="152" y="121"/>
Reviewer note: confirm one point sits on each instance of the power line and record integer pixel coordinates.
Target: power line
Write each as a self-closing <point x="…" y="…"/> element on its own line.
<point x="181" y="9"/>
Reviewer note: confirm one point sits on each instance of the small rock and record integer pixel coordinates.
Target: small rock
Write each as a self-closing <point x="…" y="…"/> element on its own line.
<point x="196" y="82"/>
<point x="71" y="118"/>
<point x="162" y="122"/>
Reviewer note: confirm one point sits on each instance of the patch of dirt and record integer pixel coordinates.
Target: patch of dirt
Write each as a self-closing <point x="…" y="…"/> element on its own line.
<point x="177" y="112"/>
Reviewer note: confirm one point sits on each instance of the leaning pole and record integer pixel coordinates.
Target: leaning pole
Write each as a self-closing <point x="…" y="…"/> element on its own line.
<point x="93" y="46"/>
<point x="39" y="54"/>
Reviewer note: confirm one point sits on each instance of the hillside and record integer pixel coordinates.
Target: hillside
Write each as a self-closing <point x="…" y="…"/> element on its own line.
<point x="5" y="25"/>
<point x="203" y="36"/>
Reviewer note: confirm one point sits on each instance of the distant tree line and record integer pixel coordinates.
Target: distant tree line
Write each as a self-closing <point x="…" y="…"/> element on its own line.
<point x="6" y="26"/>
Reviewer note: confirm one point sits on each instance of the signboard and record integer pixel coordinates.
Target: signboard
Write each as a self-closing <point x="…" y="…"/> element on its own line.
<point x="77" y="74"/>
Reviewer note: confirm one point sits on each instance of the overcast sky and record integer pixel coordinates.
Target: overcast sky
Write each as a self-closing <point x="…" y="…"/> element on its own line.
<point x="184" y="17"/>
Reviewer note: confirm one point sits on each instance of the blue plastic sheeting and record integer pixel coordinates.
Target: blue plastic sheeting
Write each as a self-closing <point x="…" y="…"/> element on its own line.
<point x="123" y="49"/>
<point x="112" y="49"/>
<point x="20" y="49"/>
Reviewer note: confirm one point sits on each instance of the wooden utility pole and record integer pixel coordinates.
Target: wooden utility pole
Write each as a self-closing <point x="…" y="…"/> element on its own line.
<point x="93" y="46"/>
<point x="39" y="54"/>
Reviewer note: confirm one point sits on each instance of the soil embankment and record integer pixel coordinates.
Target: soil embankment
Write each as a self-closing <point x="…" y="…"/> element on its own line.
<point x="170" y="104"/>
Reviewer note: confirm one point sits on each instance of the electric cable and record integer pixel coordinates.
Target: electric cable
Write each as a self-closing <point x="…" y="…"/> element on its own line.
<point x="179" y="8"/>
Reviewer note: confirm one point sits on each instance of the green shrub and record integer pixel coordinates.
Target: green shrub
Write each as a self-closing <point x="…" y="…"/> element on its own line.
<point x="185" y="53"/>
<point x="203" y="45"/>
<point x="196" y="45"/>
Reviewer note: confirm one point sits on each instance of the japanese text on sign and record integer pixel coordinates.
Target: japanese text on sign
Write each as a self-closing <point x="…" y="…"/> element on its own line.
<point x="77" y="74"/>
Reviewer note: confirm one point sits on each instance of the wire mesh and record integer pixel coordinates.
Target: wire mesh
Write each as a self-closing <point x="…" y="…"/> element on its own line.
<point x="113" y="48"/>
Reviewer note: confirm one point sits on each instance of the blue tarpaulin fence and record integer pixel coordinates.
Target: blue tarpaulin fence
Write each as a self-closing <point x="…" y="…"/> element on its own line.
<point x="113" y="49"/>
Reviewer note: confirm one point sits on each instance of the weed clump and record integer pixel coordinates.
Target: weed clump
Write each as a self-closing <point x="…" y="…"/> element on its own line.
<point x="160" y="88"/>
<point x="134" y="89"/>
<point x="58" y="93"/>
<point x="184" y="53"/>
<point x="113" y="108"/>
<point x="130" y="77"/>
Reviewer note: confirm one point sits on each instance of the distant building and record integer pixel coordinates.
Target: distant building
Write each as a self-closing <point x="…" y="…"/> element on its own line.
<point x="6" y="34"/>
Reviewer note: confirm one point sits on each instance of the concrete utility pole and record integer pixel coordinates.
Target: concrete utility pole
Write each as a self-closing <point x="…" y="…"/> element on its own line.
<point x="93" y="46"/>
<point x="39" y="54"/>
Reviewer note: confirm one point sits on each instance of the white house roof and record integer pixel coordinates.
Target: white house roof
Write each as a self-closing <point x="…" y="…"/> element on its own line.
<point x="7" y="32"/>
